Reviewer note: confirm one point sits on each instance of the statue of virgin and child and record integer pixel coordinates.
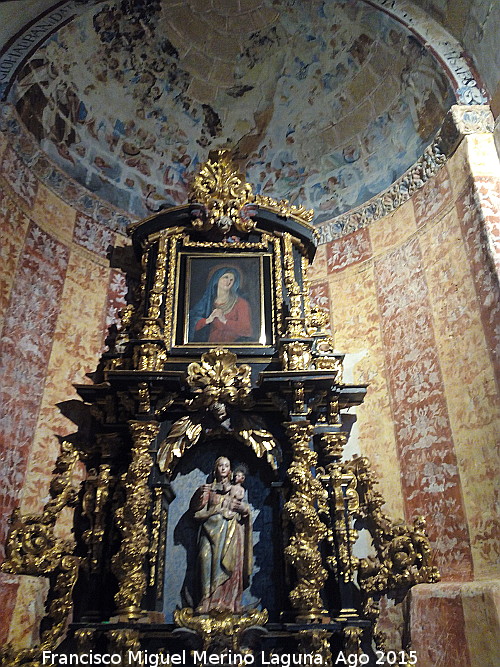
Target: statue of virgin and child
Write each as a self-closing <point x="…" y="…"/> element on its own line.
<point x="222" y="315"/>
<point x="225" y="539"/>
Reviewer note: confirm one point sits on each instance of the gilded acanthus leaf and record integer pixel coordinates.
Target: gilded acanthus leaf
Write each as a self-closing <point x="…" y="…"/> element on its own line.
<point x="218" y="380"/>
<point x="229" y="201"/>
<point x="220" y="624"/>
<point x="224" y="194"/>
<point x="34" y="548"/>
<point x="403" y="552"/>
<point x="183" y="434"/>
<point x="250" y="429"/>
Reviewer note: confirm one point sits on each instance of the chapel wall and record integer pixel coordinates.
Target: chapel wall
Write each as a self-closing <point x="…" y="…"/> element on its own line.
<point x="413" y="299"/>
<point x="58" y="296"/>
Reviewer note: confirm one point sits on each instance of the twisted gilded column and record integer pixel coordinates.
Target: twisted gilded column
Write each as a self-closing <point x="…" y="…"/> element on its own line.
<point x="303" y="551"/>
<point x="128" y="564"/>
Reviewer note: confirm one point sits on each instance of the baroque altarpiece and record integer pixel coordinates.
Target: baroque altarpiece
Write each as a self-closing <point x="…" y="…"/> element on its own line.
<point x="218" y="514"/>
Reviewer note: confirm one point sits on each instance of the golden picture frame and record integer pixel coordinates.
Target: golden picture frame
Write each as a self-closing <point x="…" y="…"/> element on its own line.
<point x="224" y="298"/>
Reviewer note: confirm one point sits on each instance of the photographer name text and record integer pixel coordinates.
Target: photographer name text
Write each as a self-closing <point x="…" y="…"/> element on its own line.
<point x="183" y="658"/>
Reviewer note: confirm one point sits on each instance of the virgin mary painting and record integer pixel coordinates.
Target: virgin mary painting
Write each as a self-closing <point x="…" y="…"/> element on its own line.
<point x="222" y="315"/>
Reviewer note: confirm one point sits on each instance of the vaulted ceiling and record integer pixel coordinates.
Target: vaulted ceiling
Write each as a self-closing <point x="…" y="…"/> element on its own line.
<point x="325" y="103"/>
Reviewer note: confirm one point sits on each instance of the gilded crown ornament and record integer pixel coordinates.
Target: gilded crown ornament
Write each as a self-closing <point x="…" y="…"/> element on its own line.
<point x="221" y="198"/>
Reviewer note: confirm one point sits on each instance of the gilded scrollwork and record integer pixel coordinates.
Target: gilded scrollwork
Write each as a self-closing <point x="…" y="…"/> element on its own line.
<point x="220" y="624"/>
<point x="295" y="356"/>
<point x="128" y="563"/>
<point x="170" y="287"/>
<point x="217" y="380"/>
<point x="95" y="497"/>
<point x="157" y="291"/>
<point x="219" y="387"/>
<point x="149" y="353"/>
<point x="144" y="396"/>
<point x="163" y="404"/>
<point x="402" y="556"/>
<point x="229" y="201"/>
<point x="142" y="284"/>
<point x="352" y="636"/>
<point x="187" y="431"/>
<point x="317" y="642"/>
<point x="223" y="245"/>
<point x="149" y="356"/>
<point x="403" y="552"/>
<point x="306" y="286"/>
<point x="345" y="502"/>
<point x="324" y="357"/>
<point x="284" y="209"/>
<point x="151" y="329"/>
<point x="183" y="434"/>
<point x="84" y="639"/>
<point x="160" y="561"/>
<point x="332" y="445"/>
<point x="318" y="320"/>
<point x="333" y="410"/>
<point x="33" y="548"/>
<point x="299" y="401"/>
<point x="155" y="534"/>
<point x="224" y="194"/>
<point x="301" y="509"/>
<point x="123" y="642"/>
<point x="296" y="320"/>
<point x="278" y="285"/>
<point x="250" y="431"/>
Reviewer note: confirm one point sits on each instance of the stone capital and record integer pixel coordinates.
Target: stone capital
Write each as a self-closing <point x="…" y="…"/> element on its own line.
<point x="473" y="118"/>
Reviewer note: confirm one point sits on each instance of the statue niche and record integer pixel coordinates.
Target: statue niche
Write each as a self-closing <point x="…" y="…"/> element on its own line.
<point x="221" y="550"/>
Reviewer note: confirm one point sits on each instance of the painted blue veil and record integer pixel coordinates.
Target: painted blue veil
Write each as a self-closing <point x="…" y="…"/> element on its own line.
<point x="205" y="305"/>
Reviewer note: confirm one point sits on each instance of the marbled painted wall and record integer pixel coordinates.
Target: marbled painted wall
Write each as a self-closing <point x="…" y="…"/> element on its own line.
<point x="415" y="297"/>
<point x="414" y="300"/>
<point x="52" y="266"/>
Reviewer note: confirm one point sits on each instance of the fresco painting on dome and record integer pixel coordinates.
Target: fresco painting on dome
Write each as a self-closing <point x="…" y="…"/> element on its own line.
<point x="326" y="104"/>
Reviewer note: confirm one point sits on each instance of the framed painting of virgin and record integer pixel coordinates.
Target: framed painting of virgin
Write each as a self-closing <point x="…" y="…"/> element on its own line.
<point x="224" y="299"/>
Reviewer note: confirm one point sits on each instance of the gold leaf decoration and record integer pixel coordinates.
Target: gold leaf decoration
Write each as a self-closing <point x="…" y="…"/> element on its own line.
<point x="33" y="548"/>
<point x="183" y="434"/>
<point x="219" y="623"/>
<point x="228" y="199"/>
<point x="303" y="548"/>
<point x="217" y="379"/>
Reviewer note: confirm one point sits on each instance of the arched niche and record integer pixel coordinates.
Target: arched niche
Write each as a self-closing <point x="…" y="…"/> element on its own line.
<point x="264" y="494"/>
